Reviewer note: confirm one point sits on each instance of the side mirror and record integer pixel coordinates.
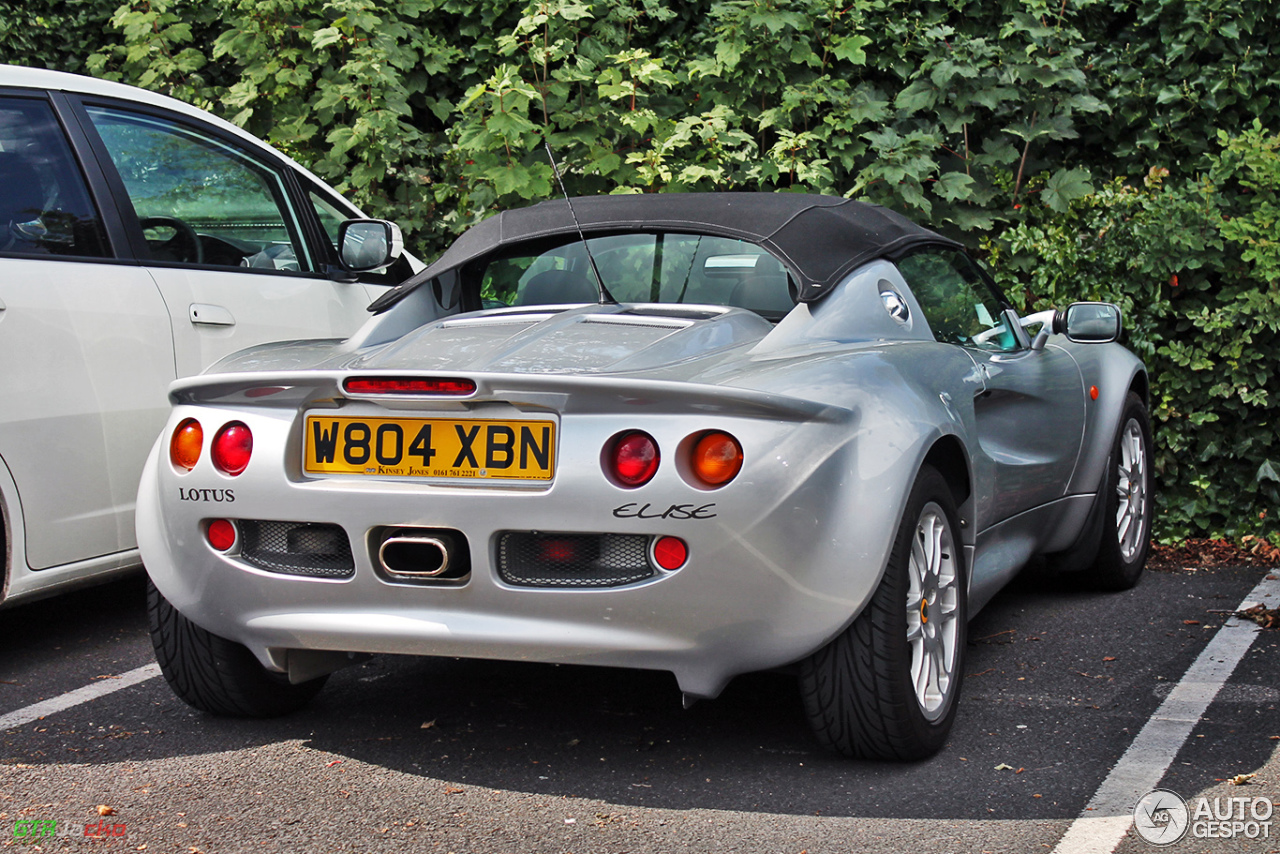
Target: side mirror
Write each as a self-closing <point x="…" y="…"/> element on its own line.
<point x="367" y="245"/>
<point x="1089" y="322"/>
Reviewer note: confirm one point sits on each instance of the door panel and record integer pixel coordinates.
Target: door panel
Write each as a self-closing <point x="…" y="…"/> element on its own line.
<point x="1030" y="423"/>
<point x="216" y="313"/>
<point x="86" y="352"/>
<point x="1029" y="415"/>
<point x="87" y="357"/>
<point x="225" y="238"/>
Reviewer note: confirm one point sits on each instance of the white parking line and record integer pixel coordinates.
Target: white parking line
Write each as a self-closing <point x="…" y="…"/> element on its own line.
<point x="1109" y="814"/>
<point x="89" y="692"/>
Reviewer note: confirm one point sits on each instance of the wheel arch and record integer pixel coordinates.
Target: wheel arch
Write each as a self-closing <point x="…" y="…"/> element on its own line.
<point x="10" y="516"/>
<point x="950" y="458"/>
<point x="1141" y="386"/>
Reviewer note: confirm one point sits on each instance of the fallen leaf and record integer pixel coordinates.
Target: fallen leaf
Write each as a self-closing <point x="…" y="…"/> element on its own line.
<point x="1037" y="796"/>
<point x="453" y="790"/>
<point x="1109" y="658"/>
<point x="573" y="742"/>
<point x="333" y="763"/>
<point x="1190" y="622"/>
<point x="570" y="821"/>
<point x="1242" y="779"/>
<point x="1267" y="618"/>
<point x="1020" y="770"/>
<point x="428" y="725"/>
<point x="106" y="810"/>
<point x="1003" y="767"/>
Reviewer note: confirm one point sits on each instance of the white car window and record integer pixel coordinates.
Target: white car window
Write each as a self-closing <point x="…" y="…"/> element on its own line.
<point x="44" y="206"/>
<point x="199" y="199"/>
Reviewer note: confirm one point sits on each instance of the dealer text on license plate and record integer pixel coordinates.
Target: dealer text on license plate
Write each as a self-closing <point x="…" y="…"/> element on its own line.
<point x="436" y="447"/>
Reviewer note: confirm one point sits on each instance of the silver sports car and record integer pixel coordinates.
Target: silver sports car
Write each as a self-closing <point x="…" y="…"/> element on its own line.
<point x="702" y="433"/>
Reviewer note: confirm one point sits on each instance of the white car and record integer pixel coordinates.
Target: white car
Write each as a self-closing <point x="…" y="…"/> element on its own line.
<point x="141" y="240"/>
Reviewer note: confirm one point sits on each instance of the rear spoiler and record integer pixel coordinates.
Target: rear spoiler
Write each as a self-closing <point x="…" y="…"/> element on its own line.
<point x="590" y="395"/>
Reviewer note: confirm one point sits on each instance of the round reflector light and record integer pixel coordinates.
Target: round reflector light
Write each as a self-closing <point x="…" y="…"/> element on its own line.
<point x="232" y="448"/>
<point x="634" y="458"/>
<point x="717" y="458"/>
<point x="221" y="534"/>
<point x="184" y="447"/>
<point x="670" y="553"/>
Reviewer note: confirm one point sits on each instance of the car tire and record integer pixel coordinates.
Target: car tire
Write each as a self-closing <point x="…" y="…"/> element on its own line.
<point x="216" y="675"/>
<point x="1126" y="531"/>
<point x="888" y="685"/>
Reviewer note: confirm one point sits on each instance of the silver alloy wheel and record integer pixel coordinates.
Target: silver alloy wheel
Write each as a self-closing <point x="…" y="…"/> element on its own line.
<point x="1131" y="489"/>
<point x="932" y="611"/>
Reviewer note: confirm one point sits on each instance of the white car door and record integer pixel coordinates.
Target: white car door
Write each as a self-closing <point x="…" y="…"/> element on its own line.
<point x="85" y="351"/>
<point x="228" y="245"/>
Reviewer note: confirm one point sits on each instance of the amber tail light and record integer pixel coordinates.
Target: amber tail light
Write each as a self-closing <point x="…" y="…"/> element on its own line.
<point x="716" y="458"/>
<point x="186" y="443"/>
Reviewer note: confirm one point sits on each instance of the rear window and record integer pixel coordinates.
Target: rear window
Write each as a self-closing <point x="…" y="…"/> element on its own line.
<point x="44" y="203"/>
<point x="644" y="268"/>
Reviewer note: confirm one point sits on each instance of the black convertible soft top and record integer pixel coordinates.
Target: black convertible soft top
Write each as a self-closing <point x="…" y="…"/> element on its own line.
<point x="819" y="238"/>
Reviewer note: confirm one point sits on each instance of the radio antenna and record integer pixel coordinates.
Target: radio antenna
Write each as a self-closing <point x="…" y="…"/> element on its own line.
<point x="606" y="298"/>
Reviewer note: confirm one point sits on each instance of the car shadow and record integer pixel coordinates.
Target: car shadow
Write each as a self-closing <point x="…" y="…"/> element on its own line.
<point x="1042" y="714"/>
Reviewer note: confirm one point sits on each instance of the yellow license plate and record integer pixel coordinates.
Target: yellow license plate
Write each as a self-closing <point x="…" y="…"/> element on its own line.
<point x="434" y="447"/>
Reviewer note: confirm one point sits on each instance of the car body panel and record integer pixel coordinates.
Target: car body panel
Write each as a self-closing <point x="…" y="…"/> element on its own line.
<point x="95" y="352"/>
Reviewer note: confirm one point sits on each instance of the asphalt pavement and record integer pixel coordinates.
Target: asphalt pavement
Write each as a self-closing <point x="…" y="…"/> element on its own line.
<point x="452" y="755"/>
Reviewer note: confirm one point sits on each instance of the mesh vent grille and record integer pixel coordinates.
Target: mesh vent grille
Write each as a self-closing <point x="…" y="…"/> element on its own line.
<point x="573" y="560"/>
<point x="297" y="548"/>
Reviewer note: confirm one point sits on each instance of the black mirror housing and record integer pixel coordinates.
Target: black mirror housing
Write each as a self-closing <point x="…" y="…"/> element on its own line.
<point x="1090" y="322"/>
<point x="368" y="245"/>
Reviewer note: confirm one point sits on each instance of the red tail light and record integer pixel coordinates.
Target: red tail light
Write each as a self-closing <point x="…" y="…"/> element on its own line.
<point x="221" y="534"/>
<point x="633" y="459"/>
<point x="558" y="551"/>
<point x="184" y="447"/>
<point x="410" y="385"/>
<point x="232" y="448"/>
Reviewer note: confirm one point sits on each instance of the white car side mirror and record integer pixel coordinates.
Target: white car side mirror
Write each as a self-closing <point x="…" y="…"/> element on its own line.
<point x="368" y="245"/>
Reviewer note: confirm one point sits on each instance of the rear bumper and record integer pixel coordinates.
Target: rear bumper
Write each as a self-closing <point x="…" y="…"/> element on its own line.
<point x="778" y="564"/>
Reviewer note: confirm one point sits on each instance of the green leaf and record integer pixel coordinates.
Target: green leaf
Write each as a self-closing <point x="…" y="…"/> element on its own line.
<point x="953" y="186"/>
<point x="850" y="49"/>
<point x="323" y="38"/>
<point x="920" y="95"/>
<point x="1064" y="187"/>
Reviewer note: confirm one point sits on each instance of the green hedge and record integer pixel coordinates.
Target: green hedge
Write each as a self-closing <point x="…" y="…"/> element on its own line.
<point x="1116" y="149"/>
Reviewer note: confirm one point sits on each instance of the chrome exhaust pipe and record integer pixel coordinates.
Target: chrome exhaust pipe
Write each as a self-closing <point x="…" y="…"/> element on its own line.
<point x="414" y="556"/>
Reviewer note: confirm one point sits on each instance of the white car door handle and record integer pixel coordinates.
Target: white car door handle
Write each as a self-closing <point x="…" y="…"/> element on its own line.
<point x="211" y="315"/>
